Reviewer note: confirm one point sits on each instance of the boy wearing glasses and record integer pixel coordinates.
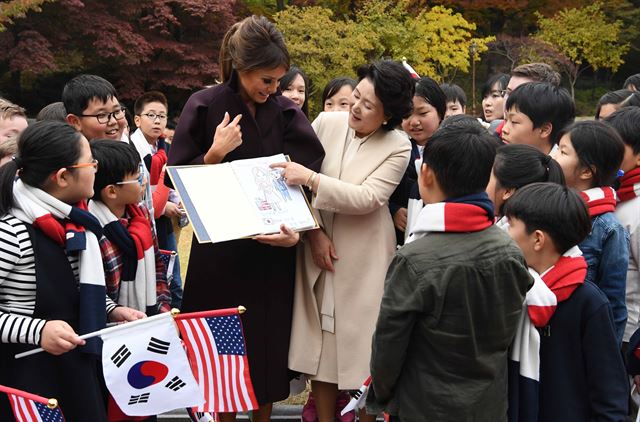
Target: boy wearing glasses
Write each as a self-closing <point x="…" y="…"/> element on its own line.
<point x="134" y="272"/>
<point x="150" y="118"/>
<point x="94" y="110"/>
<point x="92" y="107"/>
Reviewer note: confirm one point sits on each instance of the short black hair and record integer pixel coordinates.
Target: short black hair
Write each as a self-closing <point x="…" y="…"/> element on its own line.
<point x="149" y="97"/>
<point x="53" y="111"/>
<point x="431" y="92"/>
<point x="599" y="147"/>
<point x="454" y="93"/>
<point x="543" y="102"/>
<point x="461" y="155"/>
<point x="518" y="165"/>
<point x="502" y="79"/>
<point x="394" y="87"/>
<point x="612" y="97"/>
<point x="632" y="80"/>
<point x="554" y="209"/>
<point x="288" y="77"/>
<point x="116" y="160"/>
<point x="79" y="91"/>
<point x="334" y="85"/>
<point x="627" y="122"/>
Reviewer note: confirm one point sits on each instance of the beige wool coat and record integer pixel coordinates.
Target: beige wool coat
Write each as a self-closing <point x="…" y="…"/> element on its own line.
<point x="352" y="204"/>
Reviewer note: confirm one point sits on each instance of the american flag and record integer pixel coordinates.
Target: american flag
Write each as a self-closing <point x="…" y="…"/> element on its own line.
<point x="31" y="408"/>
<point x="169" y="259"/>
<point x="218" y="357"/>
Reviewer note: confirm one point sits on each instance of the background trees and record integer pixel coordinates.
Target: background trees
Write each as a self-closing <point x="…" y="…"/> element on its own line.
<point x="151" y="44"/>
<point x="586" y="37"/>
<point x="173" y="45"/>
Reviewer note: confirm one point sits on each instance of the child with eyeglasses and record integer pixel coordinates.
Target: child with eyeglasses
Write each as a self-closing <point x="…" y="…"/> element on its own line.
<point x="118" y="189"/>
<point x="150" y="118"/>
<point x="93" y="108"/>
<point x="51" y="279"/>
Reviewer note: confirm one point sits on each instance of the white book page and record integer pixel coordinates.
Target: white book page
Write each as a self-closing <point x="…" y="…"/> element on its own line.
<point x="222" y="206"/>
<point x="271" y="198"/>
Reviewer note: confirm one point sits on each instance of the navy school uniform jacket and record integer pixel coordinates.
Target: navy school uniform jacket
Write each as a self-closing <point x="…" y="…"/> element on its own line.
<point x="406" y="189"/>
<point x="582" y="375"/>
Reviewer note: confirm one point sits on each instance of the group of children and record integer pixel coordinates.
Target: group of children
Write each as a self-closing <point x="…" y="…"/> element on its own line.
<point x="101" y="202"/>
<point x="516" y="292"/>
<point x="567" y="193"/>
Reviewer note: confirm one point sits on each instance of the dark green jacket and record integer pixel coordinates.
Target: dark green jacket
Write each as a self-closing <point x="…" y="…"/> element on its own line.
<point x="449" y="312"/>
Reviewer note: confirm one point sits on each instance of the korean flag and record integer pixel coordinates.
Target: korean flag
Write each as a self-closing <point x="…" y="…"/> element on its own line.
<point x="146" y="369"/>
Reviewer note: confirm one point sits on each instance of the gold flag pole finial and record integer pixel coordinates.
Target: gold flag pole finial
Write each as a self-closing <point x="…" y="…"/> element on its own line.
<point x="52" y="403"/>
<point x="242" y="309"/>
<point x="174" y="312"/>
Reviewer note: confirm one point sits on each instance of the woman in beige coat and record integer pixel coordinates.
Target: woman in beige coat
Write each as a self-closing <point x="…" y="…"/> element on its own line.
<point x="341" y="268"/>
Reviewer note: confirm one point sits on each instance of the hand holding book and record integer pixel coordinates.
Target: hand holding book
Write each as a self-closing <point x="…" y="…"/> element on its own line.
<point x="286" y="238"/>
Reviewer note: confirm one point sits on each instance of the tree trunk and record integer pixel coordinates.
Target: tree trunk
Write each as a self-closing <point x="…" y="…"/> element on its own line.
<point x="280" y="5"/>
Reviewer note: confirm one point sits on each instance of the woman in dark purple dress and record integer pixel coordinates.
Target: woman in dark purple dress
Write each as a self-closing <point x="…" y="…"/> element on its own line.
<point x="238" y="119"/>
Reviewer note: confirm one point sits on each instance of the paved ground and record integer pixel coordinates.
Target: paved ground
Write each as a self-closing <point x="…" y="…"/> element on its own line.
<point x="281" y="413"/>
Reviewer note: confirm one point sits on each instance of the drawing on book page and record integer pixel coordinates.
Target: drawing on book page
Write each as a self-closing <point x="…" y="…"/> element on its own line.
<point x="271" y="189"/>
<point x="275" y="201"/>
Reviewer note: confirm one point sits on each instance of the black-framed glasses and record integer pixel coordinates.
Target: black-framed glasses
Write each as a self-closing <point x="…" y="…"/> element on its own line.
<point x="93" y="163"/>
<point x="153" y="116"/>
<point x="105" y="117"/>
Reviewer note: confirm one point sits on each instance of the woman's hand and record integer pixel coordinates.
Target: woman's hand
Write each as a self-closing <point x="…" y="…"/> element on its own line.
<point x="322" y="249"/>
<point x="228" y="137"/>
<point x="400" y="219"/>
<point x="125" y="314"/>
<point x="294" y="173"/>
<point x="286" y="238"/>
<point x="58" y="337"/>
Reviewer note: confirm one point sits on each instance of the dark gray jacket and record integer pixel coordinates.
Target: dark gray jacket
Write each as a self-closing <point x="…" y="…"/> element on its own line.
<point x="449" y="312"/>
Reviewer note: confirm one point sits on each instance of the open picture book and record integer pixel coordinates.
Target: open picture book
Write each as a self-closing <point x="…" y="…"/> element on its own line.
<point x="240" y="199"/>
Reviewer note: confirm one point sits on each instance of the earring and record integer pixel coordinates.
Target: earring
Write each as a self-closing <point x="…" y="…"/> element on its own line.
<point x="384" y="123"/>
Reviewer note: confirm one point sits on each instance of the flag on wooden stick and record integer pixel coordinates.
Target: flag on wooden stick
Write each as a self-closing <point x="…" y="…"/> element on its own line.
<point x="29" y="407"/>
<point x="218" y="357"/>
<point x="146" y="369"/>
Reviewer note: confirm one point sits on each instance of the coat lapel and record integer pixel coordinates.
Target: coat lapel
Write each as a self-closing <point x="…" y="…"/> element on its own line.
<point x="368" y="158"/>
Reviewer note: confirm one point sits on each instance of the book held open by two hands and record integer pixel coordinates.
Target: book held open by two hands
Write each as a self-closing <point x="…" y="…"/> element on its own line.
<point x="240" y="199"/>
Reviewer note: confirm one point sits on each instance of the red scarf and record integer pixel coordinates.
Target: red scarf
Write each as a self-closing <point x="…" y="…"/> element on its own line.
<point x="599" y="200"/>
<point x="158" y="161"/>
<point x="629" y="185"/>
<point x="565" y="276"/>
<point x="467" y="214"/>
<point x="70" y="232"/>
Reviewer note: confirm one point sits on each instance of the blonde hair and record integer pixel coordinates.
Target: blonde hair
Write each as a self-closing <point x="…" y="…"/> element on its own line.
<point x="9" y="110"/>
<point x="9" y="146"/>
<point x="253" y="43"/>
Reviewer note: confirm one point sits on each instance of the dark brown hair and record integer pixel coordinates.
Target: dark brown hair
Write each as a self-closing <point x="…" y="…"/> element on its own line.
<point x="253" y="43"/>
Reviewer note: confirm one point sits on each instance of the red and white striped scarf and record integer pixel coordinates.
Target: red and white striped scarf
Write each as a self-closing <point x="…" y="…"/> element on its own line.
<point x="138" y="284"/>
<point x="600" y="200"/>
<point x="76" y="230"/>
<point x="629" y="185"/>
<point x="463" y="215"/>
<point x="567" y="274"/>
<point x="554" y="286"/>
